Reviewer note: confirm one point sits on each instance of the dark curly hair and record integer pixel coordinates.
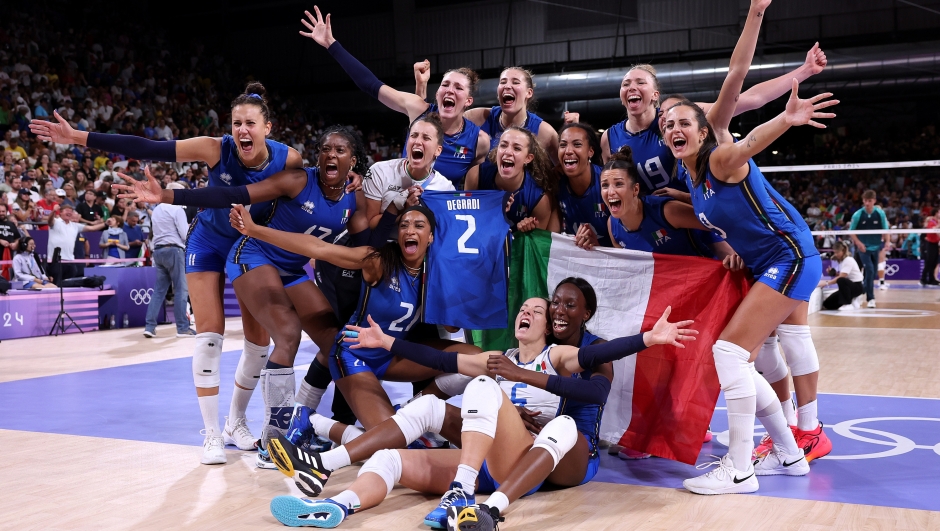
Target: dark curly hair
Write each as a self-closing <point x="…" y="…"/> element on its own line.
<point x="355" y="142"/>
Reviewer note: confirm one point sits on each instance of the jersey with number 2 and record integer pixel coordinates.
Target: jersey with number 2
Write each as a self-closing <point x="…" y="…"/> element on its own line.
<point x="393" y="303"/>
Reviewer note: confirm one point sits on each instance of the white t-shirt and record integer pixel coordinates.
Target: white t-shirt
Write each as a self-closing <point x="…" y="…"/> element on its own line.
<point x="62" y="235"/>
<point x="391" y="175"/>
<point x="850" y="267"/>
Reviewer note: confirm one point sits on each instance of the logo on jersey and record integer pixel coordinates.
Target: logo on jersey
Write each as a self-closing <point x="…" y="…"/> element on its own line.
<point x="772" y="273"/>
<point x="707" y="189"/>
<point x="461" y="153"/>
<point x="660" y="237"/>
<point x="393" y="284"/>
<point x="600" y="210"/>
<point x="307" y="207"/>
<point x="226" y="178"/>
<point x="346" y="213"/>
<point x="541" y="367"/>
<point x="348" y="274"/>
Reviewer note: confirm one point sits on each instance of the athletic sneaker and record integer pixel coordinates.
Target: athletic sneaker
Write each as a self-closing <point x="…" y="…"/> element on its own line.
<point x="630" y="455"/>
<point x="884" y="286"/>
<point x="150" y="333"/>
<point x="455" y="497"/>
<point x="613" y="449"/>
<point x="775" y="463"/>
<point x="186" y="333"/>
<point x="305" y="468"/>
<point x="213" y="450"/>
<point x="237" y="433"/>
<point x="815" y="443"/>
<point x="301" y="512"/>
<point x="723" y="480"/>
<point x="766" y="443"/>
<point x="263" y="459"/>
<point x="299" y="431"/>
<point x="857" y="301"/>
<point x="871" y="303"/>
<point x="708" y="435"/>
<point x="474" y="518"/>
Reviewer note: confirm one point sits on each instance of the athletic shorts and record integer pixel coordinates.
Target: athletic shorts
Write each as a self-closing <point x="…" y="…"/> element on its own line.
<point x="250" y="259"/>
<point x="341" y="288"/>
<point x="796" y="279"/>
<point x="488" y="485"/>
<point x="206" y="249"/>
<point x="593" y="465"/>
<point x="344" y="362"/>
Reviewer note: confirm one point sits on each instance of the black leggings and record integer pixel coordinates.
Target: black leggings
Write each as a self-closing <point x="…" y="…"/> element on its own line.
<point x="848" y="290"/>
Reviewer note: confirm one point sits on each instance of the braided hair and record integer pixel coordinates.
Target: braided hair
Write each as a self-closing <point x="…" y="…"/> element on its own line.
<point x="355" y="143"/>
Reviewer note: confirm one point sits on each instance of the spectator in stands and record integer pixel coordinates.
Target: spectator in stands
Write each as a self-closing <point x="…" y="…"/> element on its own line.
<point x="23" y="207"/>
<point x="64" y="228"/>
<point x="29" y="184"/>
<point x="88" y="209"/>
<point x="931" y="242"/>
<point x="15" y="185"/>
<point x="18" y="152"/>
<point x="169" y="237"/>
<point x="135" y="236"/>
<point x="9" y="234"/>
<point x="101" y="199"/>
<point x="114" y="239"/>
<point x="26" y="269"/>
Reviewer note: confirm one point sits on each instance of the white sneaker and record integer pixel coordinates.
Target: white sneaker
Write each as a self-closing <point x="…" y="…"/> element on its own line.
<point x="871" y="303"/>
<point x="213" y="450"/>
<point x="723" y="480"/>
<point x="846" y="307"/>
<point x="775" y="463"/>
<point x="857" y="301"/>
<point x="883" y="286"/>
<point x="237" y="434"/>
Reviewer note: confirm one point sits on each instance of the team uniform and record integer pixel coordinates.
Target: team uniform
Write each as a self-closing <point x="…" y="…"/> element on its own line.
<point x="656" y="235"/>
<point x="394" y="304"/>
<point x="654" y="160"/>
<point x="587" y="208"/>
<point x="468" y="275"/>
<point x="763" y="228"/>
<point x="310" y="212"/>
<point x="211" y="236"/>
<point x="495" y="129"/>
<point x="458" y="153"/>
<point x="525" y="199"/>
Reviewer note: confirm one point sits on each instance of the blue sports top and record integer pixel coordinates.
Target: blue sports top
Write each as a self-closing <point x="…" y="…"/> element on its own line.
<point x="393" y="303"/>
<point x="458" y="152"/>
<point x="525" y="199"/>
<point x="495" y="129"/>
<point x="654" y="160"/>
<point x="586" y="208"/>
<point x="656" y="235"/>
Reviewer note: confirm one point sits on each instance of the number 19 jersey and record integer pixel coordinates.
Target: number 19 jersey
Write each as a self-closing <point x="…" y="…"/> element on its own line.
<point x="467" y="279"/>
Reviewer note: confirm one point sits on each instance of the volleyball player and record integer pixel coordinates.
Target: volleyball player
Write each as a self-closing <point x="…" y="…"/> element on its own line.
<point x="494" y="439"/>
<point x="524" y="171"/>
<point x="244" y="157"/>
<point x="579" y="188"/>
<point x="272" y="282"/>
<point x="465" y="145"/>
<point x="730" y="197"/>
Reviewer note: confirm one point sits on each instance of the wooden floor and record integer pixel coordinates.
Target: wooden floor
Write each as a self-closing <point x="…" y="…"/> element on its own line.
<point x="53" y="481"/>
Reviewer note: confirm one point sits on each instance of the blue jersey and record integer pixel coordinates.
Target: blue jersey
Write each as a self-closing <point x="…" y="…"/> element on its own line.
<point x="394" y="304"/>
<point x="495" y="129"/>
<point x="586" y="208"/>
<point x="525" y="198"/>
<point x="231" y="172"/>
<point x="458" y="153"/>
<point x="761" y="226"/>
<point x="587" y="417"/>
<point x="307" y="213"/>
<point x="656" y="235"/>
<point x="467" y="280"/>
<point x="654" y="160"/>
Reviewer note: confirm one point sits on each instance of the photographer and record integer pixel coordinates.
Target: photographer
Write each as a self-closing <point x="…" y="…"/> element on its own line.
<point x="847" y="276"/>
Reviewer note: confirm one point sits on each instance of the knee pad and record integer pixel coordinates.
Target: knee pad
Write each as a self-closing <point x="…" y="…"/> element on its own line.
<point x="734" y="371"/>
<point x="557" y="437"/>
<point x="797" y="344"/>
<point x="882" y="265"/>
<point x="766" y="399"/>
<point x="350" y="434"/>
<point x="387" y="464"/>
<point x="481" y="402"/>
<point x="250" y="364"/>
<point x="277" y="389"/>
<point x="769" y="362"/>
<point x="452" y="384"/>
<point x="424" y="414"/>
<point x="207" y="357"/>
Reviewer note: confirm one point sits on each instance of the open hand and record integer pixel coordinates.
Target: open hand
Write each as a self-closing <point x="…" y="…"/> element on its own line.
<point x="528" y="419"/>
<point x="148" y="191"/>
<point x="802" y="112"/>
<point x="666" y="333"/>
<point x="371" y="336"/>
<point x="320" y="30"/>
<point x="59" y="132"/>
<point x="501" y="365"/>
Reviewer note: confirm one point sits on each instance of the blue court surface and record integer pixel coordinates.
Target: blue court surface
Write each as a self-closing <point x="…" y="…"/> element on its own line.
<point x="886" y="449"/>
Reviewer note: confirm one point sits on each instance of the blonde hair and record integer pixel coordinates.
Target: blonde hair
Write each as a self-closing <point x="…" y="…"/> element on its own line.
<point x="651" y="70"/>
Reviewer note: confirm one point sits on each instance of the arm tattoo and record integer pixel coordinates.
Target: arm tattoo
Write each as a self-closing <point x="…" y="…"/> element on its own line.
<point x="752" y="139"/>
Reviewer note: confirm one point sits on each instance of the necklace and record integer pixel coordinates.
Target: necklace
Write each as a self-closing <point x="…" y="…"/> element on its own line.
<point x="503" y="127"/>
<point x="334" y="189"/>
<point x="448" y="136"/>
<point x="263" y="162"/>
<point x="412" y="270"/>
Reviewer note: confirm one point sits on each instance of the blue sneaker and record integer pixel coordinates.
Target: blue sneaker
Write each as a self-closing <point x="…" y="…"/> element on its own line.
<point x="455" y="497"/>
<point x="301" y="512"/>
<point x="263" y="460"/>
<point x="299" y="431"/>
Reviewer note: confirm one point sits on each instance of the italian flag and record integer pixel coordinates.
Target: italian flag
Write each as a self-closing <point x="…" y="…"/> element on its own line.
<point x="662" y="399"/>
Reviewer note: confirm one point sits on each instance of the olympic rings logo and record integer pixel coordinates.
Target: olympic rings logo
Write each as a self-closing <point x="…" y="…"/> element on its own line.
<point x="141" y="296"/>
<point x="898" y="444"/>
<point x="891" y="270"/>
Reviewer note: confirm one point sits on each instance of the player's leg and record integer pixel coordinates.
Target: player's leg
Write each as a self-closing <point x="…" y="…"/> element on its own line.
<point x="206" y="297"/>
<point x="882" y="265"/>
<point x="254" y="357"/>
<point x="774" y="368"/>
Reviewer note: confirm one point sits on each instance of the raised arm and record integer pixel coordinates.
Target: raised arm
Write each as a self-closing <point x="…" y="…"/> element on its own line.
<point x="422" y="76"/>
<point x="321" y="32"/>
<point x="285" y="183"/>
<point x="719" y="116"/>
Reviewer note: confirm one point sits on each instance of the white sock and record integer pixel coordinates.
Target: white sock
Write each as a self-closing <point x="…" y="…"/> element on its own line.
<point x="351" y="433"/>
<point x="209" y="406"/>
<point x="347" y="498"/>
<point x="741" y="431"/>
<point x="321" y="425"/>
<point x="807" y="420"/>
<point x="789" y="412"/>
<point x="776" y="426"/>
<point x="498" y="500"/>
<point x="309" y="395"/>
<point x="336" y="458"/>
<point x="240" y="399"/>
<point x="467" y="477"/>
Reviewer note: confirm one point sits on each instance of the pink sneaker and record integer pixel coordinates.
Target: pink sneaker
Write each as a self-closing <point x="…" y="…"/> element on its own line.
<point x="708" y="435"/>
<point x="629" y="455"/>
